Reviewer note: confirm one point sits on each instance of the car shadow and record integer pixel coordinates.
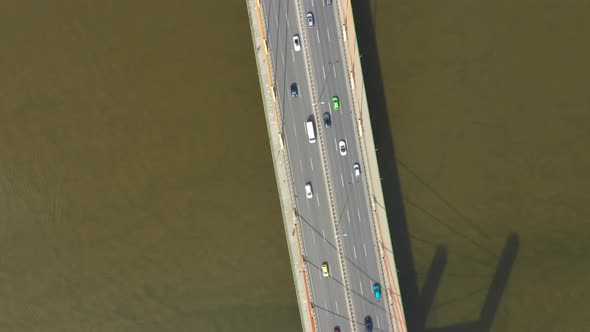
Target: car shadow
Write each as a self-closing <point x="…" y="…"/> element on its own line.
<point x="417" y="302"/>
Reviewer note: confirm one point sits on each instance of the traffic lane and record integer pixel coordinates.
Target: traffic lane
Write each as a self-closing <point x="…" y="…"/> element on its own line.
<point x="361" y="232"/>
<point x="327" y="296"/>
<point x="278" y="21"/>
<point x="328" y="59"/>
<point x="319" y="249"/>
<point x="312" y="152"/>
<point x="323" y="62"/>
<point x="285" y="63"/>
<point x="358" y="230"/>
<point x="369" y="279"/>
<point x="356" y="204"/>
<point x="324" y="79"/>
<point x="281" y="49"/>
<point x="300" y="149"/>
<point x="363" y="273"/>
<point x="319" y="176"/>
<point x="322" y="33"/>
<point x="360" y="247"/>
<point x="362" y="243"/>
<point x="329" y="299"/>
<point x="343" y="165"/>
<point x="365" y="299"/>
<point x="313" y="236"/>
<point x="378" y="315"/>
<point x="321" y="54"/>
<point x="318" y="234"/>
<point x="338" y="315"/>
<point x="314" y="215"/>
<point x="360" y="202"/>
<point x="331" y="310"/>
<point x="285" y="86"/>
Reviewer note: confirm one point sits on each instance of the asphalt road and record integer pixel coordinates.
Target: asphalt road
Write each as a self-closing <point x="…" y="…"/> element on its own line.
<point x="283" y="20"/>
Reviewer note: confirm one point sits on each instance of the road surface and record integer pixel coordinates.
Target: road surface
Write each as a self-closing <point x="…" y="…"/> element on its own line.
<point x="334" y="298"/>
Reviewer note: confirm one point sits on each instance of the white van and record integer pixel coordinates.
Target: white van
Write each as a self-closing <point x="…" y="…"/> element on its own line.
<point x="310" y="131"/>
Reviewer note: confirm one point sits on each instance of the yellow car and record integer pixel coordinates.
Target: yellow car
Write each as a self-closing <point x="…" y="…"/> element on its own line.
<point x="325" y="269"/>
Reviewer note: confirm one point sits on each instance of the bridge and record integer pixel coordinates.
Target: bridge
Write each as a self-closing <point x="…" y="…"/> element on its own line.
<point x="327" y="174"/>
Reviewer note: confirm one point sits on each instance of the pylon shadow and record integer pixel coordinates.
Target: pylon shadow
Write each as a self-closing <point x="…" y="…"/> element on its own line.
<point x="495" y="291"/>
<point x="417" y="303"/>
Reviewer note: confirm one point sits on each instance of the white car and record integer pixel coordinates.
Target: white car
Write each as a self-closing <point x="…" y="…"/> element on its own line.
<point x="308" y="190"/>
<point x="342" y="147"/>
<point x="296" y="42"/>
<point x="310" y="21"/>
<point x="356" y="169"/>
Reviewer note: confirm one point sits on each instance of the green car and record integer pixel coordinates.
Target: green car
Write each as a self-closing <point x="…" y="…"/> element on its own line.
<point x="335" y="103"/>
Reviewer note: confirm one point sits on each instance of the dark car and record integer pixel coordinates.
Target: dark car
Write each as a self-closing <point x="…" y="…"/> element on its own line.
<point x="294" y="90"/>
<point x="327" y="120"/>
<point x="337" y="329"/>
<point x="368" y="324"/>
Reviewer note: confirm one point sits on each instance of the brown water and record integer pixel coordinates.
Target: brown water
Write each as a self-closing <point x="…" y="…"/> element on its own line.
<point x="137" y="188"/>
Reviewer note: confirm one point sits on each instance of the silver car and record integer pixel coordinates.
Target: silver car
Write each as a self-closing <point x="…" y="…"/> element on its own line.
<point x="296" y="42"/>
<point x="356" y="169"/>
<point x="308" y="190"/>
<point x="342" y="147"/>
<point x="310" y="20"/>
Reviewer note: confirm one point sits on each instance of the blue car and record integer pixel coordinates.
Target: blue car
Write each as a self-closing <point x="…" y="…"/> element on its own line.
<point x="377" y="290"/>
<point x="368" y="324"/>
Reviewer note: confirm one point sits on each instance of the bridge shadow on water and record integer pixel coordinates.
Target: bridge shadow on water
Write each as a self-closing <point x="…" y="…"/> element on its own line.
<point x="417" y="301"/>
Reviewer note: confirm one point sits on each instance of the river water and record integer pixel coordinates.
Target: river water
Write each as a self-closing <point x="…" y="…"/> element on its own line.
<point x="137" y="187"/>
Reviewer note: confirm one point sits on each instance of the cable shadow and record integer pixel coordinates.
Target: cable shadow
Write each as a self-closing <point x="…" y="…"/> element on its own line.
<point x="319" y="307"/>
<point x="450" y="228"/>
<point x="320" y="234"/>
